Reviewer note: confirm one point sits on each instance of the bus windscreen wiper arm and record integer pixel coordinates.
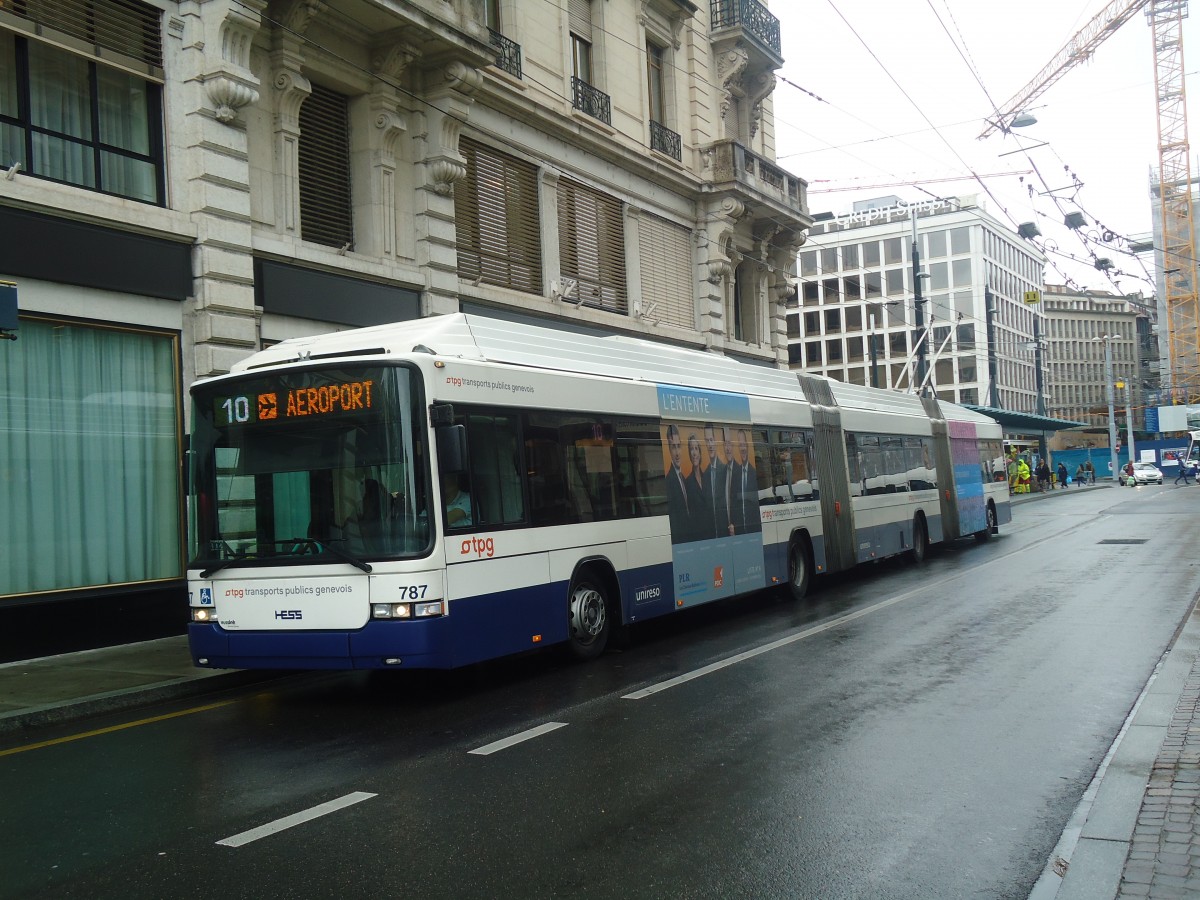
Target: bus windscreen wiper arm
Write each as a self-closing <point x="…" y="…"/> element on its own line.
<point x="316" y="546"/>
<point x="319" y="546"/>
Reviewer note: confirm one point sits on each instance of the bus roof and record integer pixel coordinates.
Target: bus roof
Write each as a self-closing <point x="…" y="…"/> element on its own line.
<point x="474" y="337"/>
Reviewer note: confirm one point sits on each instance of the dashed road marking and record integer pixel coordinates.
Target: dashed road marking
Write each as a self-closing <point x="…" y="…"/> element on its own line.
<point x="504" y="743"/>
<point x="291" y="821"/>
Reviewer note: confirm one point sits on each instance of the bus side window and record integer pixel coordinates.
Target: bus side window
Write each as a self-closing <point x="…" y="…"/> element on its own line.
<point x="495" y="480"/>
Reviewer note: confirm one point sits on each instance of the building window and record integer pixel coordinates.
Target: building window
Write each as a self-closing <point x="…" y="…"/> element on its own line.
<point x="496" y="220"/>
<point x="491" y="14"/>
<point x="668" y="282"/>
<point x="70" y="119"/>
<point x="744" y="318"/>
<point x="326" y="213"/>
<point x="579" y="14"/>
<point x="655" y="77"/>
<point x="95" y="444"/>
<point x="591" y="236"/>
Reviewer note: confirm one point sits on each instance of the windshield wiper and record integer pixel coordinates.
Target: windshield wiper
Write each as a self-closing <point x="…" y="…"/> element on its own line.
<point x="325" y="546"/>
<point x="308" y="543"/>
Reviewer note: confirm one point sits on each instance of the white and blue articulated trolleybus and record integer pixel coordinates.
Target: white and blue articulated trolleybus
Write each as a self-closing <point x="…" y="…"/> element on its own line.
<point x="458" y="488"/>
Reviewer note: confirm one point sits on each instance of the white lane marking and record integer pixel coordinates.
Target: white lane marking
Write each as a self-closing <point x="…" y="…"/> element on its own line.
<point x="765" y="648"/>
<point x="826" y="626"/>
<point x="299" y="818"/>
<point x="504" y="743"/>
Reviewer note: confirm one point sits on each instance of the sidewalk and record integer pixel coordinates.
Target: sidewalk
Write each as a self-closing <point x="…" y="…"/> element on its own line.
<point x="1135" y="833"/>
<point x="76" y="685"/>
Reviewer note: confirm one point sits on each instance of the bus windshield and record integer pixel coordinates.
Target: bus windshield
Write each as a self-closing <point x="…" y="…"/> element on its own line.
<point x="309" y="465"/>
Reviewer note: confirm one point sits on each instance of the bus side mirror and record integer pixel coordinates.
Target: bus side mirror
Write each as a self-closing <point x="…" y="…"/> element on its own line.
<point x="452" y="448"/>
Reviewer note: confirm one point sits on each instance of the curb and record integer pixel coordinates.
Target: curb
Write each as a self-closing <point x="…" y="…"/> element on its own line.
<point x="130" y="698"/>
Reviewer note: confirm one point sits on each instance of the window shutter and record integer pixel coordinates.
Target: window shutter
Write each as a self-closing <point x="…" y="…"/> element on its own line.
<point x="326" y="214"/>
<point x="592" y="245"/>
<point x="497" y="221"/>
<point x="668" y="274"/>
<point x="127" y="27"/>
<point x="579" y="13"/>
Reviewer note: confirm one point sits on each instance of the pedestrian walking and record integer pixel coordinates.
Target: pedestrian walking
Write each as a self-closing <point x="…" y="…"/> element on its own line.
<point x="1091" y="472"/>
<point x="1080" y="475"/>
<point x="1062" y="475"/>
<point x="1185" y="472"/>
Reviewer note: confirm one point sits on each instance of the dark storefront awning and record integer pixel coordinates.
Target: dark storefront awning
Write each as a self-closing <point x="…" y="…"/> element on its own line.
<point x="1025" y="423"/>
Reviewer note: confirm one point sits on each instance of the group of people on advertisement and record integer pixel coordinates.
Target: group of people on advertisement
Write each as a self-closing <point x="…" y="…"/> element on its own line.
<point x="714" y="494"/>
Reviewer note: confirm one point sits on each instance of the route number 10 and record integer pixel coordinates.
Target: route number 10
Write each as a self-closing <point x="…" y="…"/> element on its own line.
<point x="237" y="409"/>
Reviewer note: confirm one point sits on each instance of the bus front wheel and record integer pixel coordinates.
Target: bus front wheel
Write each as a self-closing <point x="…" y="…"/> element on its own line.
<point x="589" y="622"/>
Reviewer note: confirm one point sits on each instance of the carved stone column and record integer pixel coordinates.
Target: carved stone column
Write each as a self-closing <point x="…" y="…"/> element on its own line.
<point x="387" y="123"/>
<point x="291" y="89"/>
<point x="218" y="83"/>
<point x="720" y="258"/>
<point x="441" y="165"/>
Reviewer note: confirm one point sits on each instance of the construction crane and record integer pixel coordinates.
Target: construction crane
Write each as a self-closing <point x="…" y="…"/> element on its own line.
<point x="1174" y="169"/>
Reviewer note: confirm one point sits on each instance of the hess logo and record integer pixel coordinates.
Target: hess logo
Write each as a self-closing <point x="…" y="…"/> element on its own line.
<point x="289" y="614"/>
<point x="479" y="547"/>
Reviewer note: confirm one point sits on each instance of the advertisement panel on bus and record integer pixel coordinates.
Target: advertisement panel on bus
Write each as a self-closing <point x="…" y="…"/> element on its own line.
<point x="712" y="494"/>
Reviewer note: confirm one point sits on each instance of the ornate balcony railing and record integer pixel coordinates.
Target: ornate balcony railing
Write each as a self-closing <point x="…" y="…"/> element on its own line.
<point x="752" y="16"/>
<point x="586" y="98"/>
<point x="664" y="140"/>
<point x="730" y="162"/>
<point x="509" y="57"/>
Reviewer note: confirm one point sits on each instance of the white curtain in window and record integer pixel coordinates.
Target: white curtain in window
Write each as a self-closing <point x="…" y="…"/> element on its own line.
<point x="89" y="459"/>
<point x="60" y="101"/>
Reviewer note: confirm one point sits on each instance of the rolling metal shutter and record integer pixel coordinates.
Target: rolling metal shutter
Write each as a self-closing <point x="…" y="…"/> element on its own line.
<point x="668" y="280"/>
<point x="591" y="238"/>
<point x="496" y="220"/>
<point x="579" y="14"/>
<point x="122" y="26"/>
<point x="326" y="214"/>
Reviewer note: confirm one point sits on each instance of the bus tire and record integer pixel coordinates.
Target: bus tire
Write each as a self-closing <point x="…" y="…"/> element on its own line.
<point x="799" y="568"/>
<point x="920" y="541"/>
<point x="987" y="532"/>
<point x="589" y="622"/>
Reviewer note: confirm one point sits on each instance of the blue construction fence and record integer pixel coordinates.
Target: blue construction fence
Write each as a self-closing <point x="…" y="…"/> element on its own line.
<point x="1165" y="454"/>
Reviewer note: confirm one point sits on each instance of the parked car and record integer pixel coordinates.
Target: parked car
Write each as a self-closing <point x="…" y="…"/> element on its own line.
<point x="1145" y="473"/>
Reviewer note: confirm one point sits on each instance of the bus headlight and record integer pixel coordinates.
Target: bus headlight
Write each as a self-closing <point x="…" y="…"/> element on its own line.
<point x="204" y="614"/>
<point x="408" y="610"/>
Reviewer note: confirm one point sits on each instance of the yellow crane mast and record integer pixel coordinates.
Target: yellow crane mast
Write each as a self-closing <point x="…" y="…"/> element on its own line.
<point x="1177" y="235"/>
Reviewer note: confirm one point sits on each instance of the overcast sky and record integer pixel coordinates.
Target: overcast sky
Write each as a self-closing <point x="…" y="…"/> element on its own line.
<point x="899" y="105"/>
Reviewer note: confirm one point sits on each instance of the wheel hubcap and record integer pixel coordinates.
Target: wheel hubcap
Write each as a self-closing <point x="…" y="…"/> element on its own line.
<point x="588" y="614"/>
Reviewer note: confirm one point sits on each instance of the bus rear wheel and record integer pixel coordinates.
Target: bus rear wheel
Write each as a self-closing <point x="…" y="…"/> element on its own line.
<point x="920" y="541"/>
<point x="982" y="536"/>
<point x="799" y="569"/>
<point x="588" y="624"/>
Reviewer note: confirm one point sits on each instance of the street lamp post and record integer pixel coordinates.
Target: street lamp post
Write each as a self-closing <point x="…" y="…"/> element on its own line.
<point x="1129" y="424"/>
<point x="1108" y="392"/>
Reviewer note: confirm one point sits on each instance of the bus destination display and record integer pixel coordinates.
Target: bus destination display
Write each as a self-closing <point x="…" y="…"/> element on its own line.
<point x="284" y="404"/>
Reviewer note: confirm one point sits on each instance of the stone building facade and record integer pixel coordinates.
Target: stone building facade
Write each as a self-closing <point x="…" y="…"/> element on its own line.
<point x="184" y="182"/>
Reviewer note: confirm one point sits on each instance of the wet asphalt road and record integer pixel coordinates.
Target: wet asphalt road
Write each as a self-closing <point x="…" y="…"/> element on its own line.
<point x="908" y="733"/>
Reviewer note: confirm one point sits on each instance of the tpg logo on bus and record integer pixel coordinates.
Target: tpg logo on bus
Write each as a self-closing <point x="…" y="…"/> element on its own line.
<point x="479" y="546"/>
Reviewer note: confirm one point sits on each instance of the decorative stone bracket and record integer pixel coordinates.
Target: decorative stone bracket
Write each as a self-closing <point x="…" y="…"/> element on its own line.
<point x="450" y="104"/>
